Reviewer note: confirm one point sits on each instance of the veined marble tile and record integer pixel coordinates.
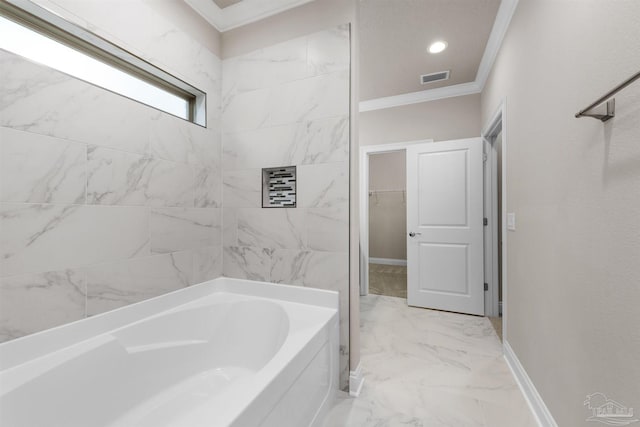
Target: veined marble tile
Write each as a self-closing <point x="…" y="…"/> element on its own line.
<point x="205" y="73"/>
<point x="41" y="100"/>
<point x="229" y="227"/>
<point x="328" y="229"/>
<point x="282" y="228"/>
<point x="308" y="99"/>
<point x="246" y="263"/>
<point x="214" y="111"/>
<point x="34" y="302"/>
<point x="174" y="139"/>
<point x="40" y="169"/>
<point x="246" y="111"/>
<point x="207" y="263"/>
<point x="119" y="178"/>
<point x="317" y="141"/>
<point x="208" y="186"/>
<point x="267" y="67"/>
<point x="243" y="188"/>
<point x="313" y="98"/>
<point x="324" y="270"/>
<point x="324" y="186"/>
<point x="177" y="52"/>
<point x="116" y="284"/>
<point x="208" y="151"/>
<point x="422" y="368"/>
<point x="329" y="50"/>
<point x="260" y="148"/>
<point x="110" y="121"/>
<point x="289" y="266"/>
<point x="321" y="141"/>
<point x="41" y="237"/>
<point x="177" y="229"/>
<point x="25" y="86"/>
<point x="502" y="413"/>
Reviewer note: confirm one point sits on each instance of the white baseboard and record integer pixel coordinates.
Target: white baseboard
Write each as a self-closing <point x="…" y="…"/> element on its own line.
<point x="356" y="381"/>
<point x="387" y="261"/>
<point x="531" y="395"/>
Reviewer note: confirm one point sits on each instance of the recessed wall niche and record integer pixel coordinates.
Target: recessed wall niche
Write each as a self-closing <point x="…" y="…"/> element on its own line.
<point x="279" y="187"/>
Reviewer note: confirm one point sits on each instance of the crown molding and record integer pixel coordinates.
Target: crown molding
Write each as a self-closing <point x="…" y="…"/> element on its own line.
<point x="209" y="11"/>
<point x="418" y="97"/>
<point x="242" y="13"/>
<point x="501" y="24"/>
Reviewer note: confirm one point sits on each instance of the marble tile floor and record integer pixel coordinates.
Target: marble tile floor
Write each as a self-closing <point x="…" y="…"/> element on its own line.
<point x="427" y="368"/>
<point x="496" y="322"/>
<point x="389" y="280"/>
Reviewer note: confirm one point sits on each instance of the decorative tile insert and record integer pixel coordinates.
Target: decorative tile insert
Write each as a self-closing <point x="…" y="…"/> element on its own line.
<point x="279" y="187"/>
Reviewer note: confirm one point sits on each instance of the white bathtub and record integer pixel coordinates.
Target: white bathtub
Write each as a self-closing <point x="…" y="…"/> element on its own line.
<point x="223" y="353"/>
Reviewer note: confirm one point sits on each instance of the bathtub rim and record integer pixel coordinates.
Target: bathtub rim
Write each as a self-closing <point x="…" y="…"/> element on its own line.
<point x="30" y="347"/>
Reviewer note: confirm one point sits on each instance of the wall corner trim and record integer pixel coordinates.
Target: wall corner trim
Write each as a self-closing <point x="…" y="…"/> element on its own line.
<point x="536" y="404"/>
<point x="499" y="30"/>
<point x="356" y="381"/>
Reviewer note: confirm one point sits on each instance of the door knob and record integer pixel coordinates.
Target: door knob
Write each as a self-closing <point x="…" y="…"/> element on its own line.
<point x="412" y="234"/>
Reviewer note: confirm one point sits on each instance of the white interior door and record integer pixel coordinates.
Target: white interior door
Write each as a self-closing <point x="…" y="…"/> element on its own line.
<point x="445" y="226"/>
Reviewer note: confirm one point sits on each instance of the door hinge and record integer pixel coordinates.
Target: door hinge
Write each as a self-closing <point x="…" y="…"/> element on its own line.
<point x="484" y="157"/>
<point x="485" y="221"/>
<point x="486" y="286"/>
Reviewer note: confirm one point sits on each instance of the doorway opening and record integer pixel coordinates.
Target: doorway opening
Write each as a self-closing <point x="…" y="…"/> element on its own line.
<point x="495" y="212"/>
<point x="388" y="224"/>
<point x="383" y="217"/>
<point x="449" y="192"/>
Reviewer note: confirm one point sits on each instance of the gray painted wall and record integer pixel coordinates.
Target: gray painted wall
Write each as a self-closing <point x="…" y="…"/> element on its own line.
<point x="388" y="205"/>
<point x="441" y="120"/>
<point x="573" y="279"/>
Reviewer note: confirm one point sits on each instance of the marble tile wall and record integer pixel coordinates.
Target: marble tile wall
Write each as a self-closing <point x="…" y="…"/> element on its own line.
<point x="288" y="105"/>
<point x="104" y="201"/>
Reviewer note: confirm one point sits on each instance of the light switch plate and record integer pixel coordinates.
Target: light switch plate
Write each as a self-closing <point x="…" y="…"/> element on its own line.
<point x="511" y="221"/>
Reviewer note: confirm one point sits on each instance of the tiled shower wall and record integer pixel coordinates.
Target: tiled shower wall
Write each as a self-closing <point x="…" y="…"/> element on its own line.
<point x="288" y="105"/>
<point x="104" y="201"/>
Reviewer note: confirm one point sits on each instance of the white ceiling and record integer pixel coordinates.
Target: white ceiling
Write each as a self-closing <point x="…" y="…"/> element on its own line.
<point x="394" y="36"/>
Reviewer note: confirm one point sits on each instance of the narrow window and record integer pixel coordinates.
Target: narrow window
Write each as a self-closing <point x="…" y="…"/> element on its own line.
<point x="45" y="38"/>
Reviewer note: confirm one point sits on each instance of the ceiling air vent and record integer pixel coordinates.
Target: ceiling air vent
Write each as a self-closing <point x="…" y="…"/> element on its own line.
<point x="434" y="77"/>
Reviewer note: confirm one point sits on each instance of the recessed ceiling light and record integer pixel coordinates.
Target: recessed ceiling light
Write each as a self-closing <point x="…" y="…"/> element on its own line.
<point x="437" y="47"/>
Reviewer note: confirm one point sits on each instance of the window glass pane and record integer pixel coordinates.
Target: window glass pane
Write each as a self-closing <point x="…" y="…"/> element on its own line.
<point x="34" y="46"/>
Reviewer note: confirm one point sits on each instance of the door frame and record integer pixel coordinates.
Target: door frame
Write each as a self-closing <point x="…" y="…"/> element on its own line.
<point x="496" y="123"/>
<point x="365" y="152"/>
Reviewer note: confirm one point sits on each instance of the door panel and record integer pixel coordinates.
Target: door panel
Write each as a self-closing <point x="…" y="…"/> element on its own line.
<point x="446" y="265"/>
<point x="445" y="215"/>
<point x="434" y="169"/>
